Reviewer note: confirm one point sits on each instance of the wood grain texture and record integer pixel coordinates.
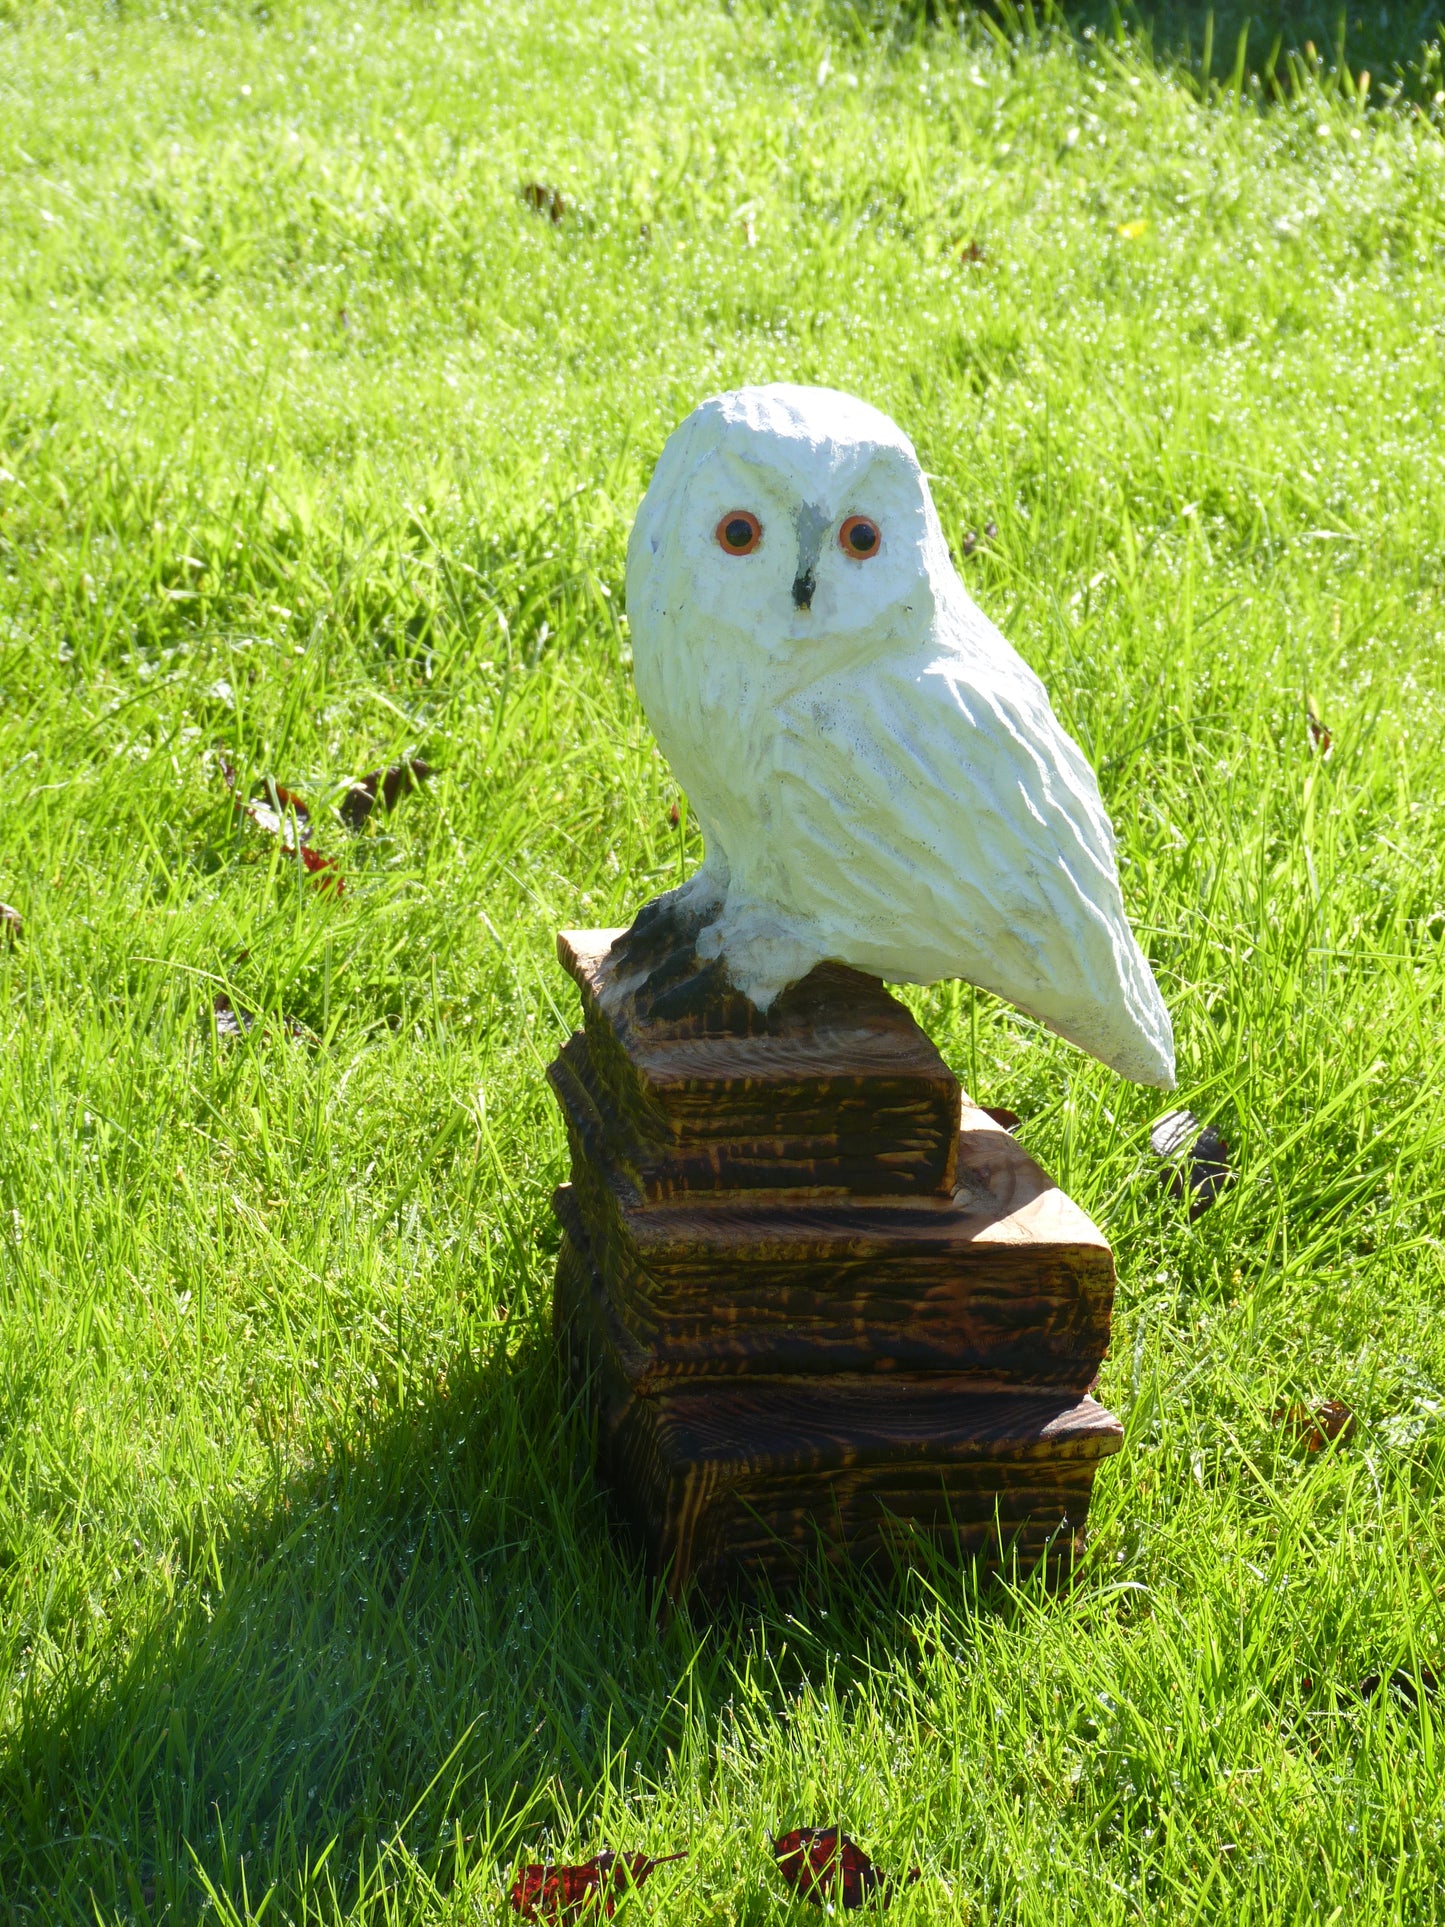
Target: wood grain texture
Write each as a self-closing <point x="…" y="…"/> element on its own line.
<point x="740" y="1483"/>
<point x="803" y="1327"/>
<point x="834" y="1089"/>
<point x="1005" y="1279"/>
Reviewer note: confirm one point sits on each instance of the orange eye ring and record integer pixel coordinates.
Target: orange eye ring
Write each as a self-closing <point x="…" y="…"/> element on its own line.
<point x="739" y="532"/>
<point x="860" y="537"/>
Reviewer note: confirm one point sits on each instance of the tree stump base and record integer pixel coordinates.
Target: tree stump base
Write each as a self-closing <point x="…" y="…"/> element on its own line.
<point x="817" y="1304"/>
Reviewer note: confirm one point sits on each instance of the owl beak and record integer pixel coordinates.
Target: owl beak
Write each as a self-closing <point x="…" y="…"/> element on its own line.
<point x="812" y="524"/>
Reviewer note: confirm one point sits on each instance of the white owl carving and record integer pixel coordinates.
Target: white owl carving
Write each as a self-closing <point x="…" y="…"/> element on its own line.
<point x="879" y="777"/>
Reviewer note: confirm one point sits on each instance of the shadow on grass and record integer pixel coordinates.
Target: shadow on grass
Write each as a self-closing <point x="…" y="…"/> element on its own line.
<point x="438" y="1621"/>
<point x="1231" y="41"/>
<point x="1395" y="41"/>
<point x="440" y="1626"/>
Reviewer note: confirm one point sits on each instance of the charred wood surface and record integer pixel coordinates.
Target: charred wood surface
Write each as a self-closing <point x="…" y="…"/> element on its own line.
<point x="819" y="1306"/>
<point x="835" y="1088"/>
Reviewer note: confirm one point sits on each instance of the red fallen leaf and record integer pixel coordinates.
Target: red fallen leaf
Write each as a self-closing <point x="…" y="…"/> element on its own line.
<point x="1318" y="1426"/>
<point x="823" y="1864"/>
<point x="1001" y="1115"/>
<point x="1335" y="1419"/>
<point x="267" y="814"/>
<point x="546" y="1892"/>
<point x="544" y="200"/>
<point x="289" y="800"/>
<point x="1320" y="738"/>
<point x="382" y="786"/>
<point x="323" y="870"/>
<point x="673" y="817"/>
<point x="11" y="923"/>
<point x="285" y="815"/>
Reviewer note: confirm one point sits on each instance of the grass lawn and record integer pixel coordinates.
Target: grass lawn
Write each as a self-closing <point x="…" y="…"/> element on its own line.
<point x="318" y="448"/>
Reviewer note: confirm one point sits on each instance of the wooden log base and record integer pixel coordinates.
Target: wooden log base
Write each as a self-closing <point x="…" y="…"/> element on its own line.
<point x="834" y="1089"/>
<point x="818" y="1306"/>
<point x="735" y="1486"/>
<point x="1005" y="1278"/>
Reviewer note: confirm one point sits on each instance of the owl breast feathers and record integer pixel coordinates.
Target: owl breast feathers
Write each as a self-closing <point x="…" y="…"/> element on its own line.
<point x="879" y="777"/>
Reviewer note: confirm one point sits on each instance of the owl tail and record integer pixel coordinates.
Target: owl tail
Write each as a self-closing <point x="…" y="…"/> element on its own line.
<point x="1126" y="1024"/>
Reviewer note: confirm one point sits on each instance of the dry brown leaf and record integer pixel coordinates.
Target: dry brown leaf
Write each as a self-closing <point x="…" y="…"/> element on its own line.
<point x="383" y="786"/>
<point x="543" y="1891"/>
<point x="544" y="200"/>
<point x="285" y="815"/>
<point x="1319" y="1425"/>
<point x="1196" y="1159"/>
<point x="823" y="1865"/>
<point x="1321" y="740"/>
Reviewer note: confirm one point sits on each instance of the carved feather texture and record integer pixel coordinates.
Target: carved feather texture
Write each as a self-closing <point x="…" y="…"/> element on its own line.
<point x="879" y="776"/>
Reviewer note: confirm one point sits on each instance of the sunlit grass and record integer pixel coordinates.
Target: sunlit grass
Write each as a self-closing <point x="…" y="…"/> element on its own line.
<point x="319" y="448"/>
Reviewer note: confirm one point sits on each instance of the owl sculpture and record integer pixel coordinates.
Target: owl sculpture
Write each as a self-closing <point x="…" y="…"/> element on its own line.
<point x="879" y="777"/>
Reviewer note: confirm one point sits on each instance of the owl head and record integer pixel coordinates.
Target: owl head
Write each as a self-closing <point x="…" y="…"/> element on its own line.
<point x="783" y="516"/>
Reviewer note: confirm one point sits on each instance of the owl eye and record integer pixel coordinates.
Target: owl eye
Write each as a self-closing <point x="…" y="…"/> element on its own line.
<point x="739" y="532"/>
<point x="859" y="537"/>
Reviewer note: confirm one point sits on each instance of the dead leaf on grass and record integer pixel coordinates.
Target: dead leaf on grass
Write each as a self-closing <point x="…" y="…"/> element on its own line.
<point x="284" y="814"/>
<point x="543" y="1891"/>
<point x="1319" y="1425"/>
<point x="323" y="871"/>
<point x="1195" y="1157"/>
<point x="823" y="1865"/>
<point x="544" y="200"/>
<point x="973" y="256"/>
<point x="1321" y="741"/>
<point x="384" y="786"/>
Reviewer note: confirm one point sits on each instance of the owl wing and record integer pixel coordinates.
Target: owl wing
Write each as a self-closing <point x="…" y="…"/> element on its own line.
<point x="935" y="821"/>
